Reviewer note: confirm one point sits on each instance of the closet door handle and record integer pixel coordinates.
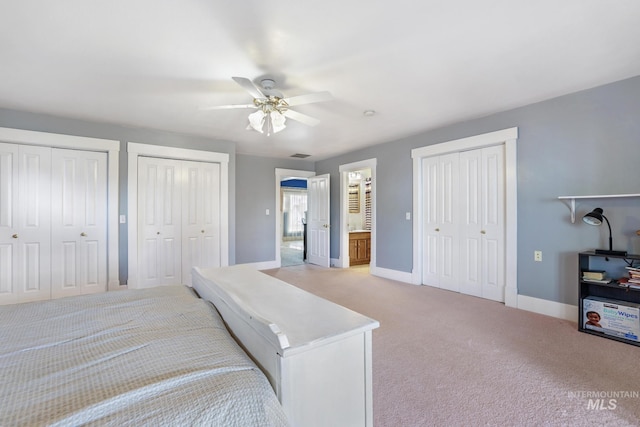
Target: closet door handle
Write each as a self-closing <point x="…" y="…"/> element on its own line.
<point x="202" y="231"/>
<point x="15" y="236"/>
<point x="437" y="229"/>
<point x="83" y="234"/>
<point x="483" y="232"/>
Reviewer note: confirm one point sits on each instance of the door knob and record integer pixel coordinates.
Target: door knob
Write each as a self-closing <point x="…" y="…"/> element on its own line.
<point x="15" y="236"/>
<point x="83" y="234"/>
<point x="158" y="232"/>
<point x="437" y="229"/>
<point x="483" y="232"/>
<point x="202" y="231"/>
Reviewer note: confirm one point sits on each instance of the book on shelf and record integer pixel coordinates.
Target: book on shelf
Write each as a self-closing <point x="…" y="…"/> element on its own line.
<point x="594" y="274"/>
<point x="596" y="280"/>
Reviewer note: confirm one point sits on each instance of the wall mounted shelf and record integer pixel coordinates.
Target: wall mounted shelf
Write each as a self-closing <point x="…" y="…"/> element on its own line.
<point x="572" y="200"/>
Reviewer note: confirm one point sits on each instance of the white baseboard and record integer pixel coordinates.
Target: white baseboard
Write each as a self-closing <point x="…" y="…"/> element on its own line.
<point x="549" y="308"/>
<point x="264" y="265"/>
<point x="386" y="273"/>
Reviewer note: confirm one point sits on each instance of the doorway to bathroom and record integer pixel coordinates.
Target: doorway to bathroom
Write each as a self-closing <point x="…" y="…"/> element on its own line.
<point x="358" y="230"/>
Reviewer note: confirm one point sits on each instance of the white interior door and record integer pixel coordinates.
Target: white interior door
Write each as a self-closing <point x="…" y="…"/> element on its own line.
<point x="159" y="222"/>
<point x="318" y="224"/>
<point x="200" y="217"/>
<point x="79" y="222"/>
<point x="482" y="223"/>
<point x="440" y="181"/>
<point x="25" y="223"/>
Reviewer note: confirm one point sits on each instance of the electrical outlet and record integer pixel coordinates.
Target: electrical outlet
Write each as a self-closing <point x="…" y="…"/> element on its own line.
<point x="537" y="256"/>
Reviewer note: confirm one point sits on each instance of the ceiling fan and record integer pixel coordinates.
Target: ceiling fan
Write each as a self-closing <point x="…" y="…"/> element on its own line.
<point x="272" y="107"/>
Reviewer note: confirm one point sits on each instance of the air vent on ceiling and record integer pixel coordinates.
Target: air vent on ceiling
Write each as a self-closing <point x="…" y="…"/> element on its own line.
<point x="301" y="156"/>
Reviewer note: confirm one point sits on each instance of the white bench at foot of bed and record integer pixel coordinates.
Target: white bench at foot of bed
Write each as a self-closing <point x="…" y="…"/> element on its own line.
<point x="316" y="354"/>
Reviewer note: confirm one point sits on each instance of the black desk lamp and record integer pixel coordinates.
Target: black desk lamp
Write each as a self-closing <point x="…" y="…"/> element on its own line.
<point x="595" y="218"/>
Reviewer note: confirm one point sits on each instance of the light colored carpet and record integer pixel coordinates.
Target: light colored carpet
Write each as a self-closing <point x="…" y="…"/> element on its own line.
<point x="442" y="358"/>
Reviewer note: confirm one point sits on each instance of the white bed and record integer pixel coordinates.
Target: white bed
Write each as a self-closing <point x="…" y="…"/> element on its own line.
<point x="239" y="349"/>
<point x="158" y="356"/>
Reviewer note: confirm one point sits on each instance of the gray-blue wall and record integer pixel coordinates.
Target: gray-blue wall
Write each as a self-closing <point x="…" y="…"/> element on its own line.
<point x="256" y="192"/>
<point x="579" y="144"/>
<point x="587" y="143"/>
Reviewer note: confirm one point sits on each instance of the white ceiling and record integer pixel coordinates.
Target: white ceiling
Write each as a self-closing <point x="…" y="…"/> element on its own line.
<point x="419" y="64"/>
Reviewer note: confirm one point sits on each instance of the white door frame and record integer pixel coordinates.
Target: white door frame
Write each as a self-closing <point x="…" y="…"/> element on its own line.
<point x="112" y="148"/>
<point x="281" y="175"/>
<point x="508" y="137"/>
<point x="344" y="208"/>
<point x="135" y="150"/>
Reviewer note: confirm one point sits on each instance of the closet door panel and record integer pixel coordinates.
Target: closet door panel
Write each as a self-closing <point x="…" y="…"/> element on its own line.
<point x="79" y="216"/>
<point x="33" y="271"/>
<point x="431" y="222"/>
<point x="448" y="213"/>
<point x="8" y="228"/>
<point x="159" y="222"/>
<point x="201" y="213"/>
<point x="493" y="282"/>
<point x="471" y="199"/>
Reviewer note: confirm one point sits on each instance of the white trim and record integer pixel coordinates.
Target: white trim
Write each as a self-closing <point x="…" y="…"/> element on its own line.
<point x="282" y="174"/>
<point x="344" y="170"/>
<point x="400" y="276"/>
<point x="134" y="151"/>
<point x="266" y="265"/>
<point x="109" y="146"/>
<point x="548" y="308"/>
<point x="508" y="137"/>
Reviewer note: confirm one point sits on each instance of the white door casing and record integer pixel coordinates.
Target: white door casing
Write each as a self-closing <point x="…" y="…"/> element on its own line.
<point x="282" y="174"/>
<point x="344" y="209"/>
<point x="318" y="220"/>
<point x="136" y="150"/>
<point x="45" y="140"/>
<point x="507" y="138"/>
<point x="79" y="222"/>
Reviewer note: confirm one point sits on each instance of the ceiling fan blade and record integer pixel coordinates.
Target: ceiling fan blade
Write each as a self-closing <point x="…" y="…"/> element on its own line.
<point x="309" y="98"/>
<point x="302" y="118"/>
<point x="228" y="107"/>
<point x="249" y="87"/>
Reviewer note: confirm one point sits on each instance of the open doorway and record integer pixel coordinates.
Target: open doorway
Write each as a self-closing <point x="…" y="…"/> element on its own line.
<point x="288" y="252"/>
<point x="293" y="208"/>
<point x="357" y="213"/>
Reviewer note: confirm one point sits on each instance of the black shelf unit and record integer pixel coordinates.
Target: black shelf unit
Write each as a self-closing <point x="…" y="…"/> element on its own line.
<point x="614" y="265"/>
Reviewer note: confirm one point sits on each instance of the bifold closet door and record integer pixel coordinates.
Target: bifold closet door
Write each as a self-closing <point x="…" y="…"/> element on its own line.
<point x="178" y="219"/>
<point x="79" y="222"/>
<point x="482" y="223"/>
<point x="159" y="222"/>
<point x="25" y="223"/>
<point x="200" y="217"/>
<point x="440" y="221"/>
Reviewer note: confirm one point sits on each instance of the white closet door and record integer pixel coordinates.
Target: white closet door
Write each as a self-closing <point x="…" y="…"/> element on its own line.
<point x="440" y="252"/>
<point x="200" y="217"/>
<point x="159" y="222"/>
<point x="79" y="222"/>
<point x="25" y="223"/>
<point x="493" y="257"/>
<point x="482" y="222"/>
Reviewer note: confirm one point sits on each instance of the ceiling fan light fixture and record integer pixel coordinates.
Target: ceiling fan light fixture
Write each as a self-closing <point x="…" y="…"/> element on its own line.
<point x="256" y="120"/>
<point x="277" y="121"/>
